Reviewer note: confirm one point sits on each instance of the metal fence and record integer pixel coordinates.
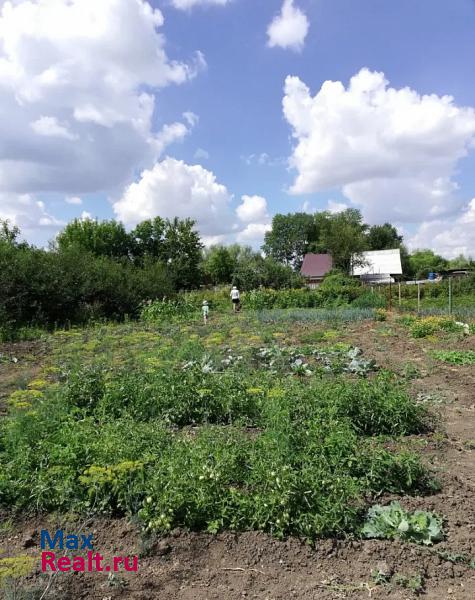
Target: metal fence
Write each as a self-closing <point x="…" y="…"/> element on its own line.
<point x="450" y="296"/>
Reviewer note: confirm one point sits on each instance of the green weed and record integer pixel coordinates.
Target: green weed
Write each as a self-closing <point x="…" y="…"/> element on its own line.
<point x="455" y="357"/>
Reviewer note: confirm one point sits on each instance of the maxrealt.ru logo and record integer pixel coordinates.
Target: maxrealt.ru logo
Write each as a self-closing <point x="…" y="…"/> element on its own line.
<point x="91" y="562"/>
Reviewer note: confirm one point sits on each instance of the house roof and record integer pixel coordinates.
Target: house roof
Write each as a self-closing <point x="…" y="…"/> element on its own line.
<point x="316" y="265"/>
<point x="378" y="262"/>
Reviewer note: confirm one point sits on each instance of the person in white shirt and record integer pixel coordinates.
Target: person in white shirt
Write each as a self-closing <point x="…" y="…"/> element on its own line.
<point x="205" y="311"/>
<point x="236" y="298"/>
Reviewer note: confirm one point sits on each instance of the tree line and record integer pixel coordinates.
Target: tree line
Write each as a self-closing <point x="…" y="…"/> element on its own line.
<point x="97" y="269"/>
<point x="345" y="235"/>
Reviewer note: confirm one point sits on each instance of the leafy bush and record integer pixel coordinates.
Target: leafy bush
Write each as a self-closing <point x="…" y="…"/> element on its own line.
<point x="390" y="522"/>
<point x="42" y="288"/>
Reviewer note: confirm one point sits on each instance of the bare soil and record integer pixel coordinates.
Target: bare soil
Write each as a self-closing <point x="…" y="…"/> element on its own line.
<point x="198" y="566"/>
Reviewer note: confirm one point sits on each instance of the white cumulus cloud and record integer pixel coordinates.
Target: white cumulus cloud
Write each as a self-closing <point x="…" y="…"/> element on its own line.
<point x="289" y="28"/>
<point x="173" y="188"/>
<point x="73" y="200"/>
<point x="29" y="214"/>
<point x="49" y="126"/>
<point x="253" y="210"/>
<point x="189" y="4"/>
<point x="449" y="237"/>
<point x="336" y="207"/>
<point x="78" y="84"/>
<point x="392" y="151"/>
<point x="253" y="233"/>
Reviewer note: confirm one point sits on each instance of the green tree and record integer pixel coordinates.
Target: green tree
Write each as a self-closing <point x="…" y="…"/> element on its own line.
<point x="289" y="239"/>
<point x="383" y="237"/>
<point x="182" y="249"/>
<point x="343" y="235"/>
<point x="148" y="239"/>
<point x="8" y="233"/>
<point x="461" y="262"/>
<point x="218" y="264"/>
<point x="101" y="238"/>
<point x="423" y="262"/>
<point x="253" y="270"/>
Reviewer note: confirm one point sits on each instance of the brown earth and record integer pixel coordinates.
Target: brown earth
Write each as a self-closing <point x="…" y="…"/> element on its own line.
<point x="197" y="566"/>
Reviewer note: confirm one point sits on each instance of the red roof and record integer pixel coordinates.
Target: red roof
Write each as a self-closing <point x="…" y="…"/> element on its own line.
<point x="316" y="265"/>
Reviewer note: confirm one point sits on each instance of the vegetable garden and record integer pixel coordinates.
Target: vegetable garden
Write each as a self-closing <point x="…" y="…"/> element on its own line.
<point x="274" y="421"/>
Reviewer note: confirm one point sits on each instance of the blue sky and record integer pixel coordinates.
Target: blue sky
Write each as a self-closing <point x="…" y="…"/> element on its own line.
<point x="428" y="45"/>
<point x="421" y="178"/>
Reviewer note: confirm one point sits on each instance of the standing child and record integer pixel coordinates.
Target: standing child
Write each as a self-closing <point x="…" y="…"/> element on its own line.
<point x="205" y="309"/>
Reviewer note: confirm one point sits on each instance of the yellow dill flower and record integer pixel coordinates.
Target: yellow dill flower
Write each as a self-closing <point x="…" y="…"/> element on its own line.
<point x="16" y="567"/>
<point x="38" y="384"/>
<point x="254" y="391"/>
<point x="276" y="393"/>
<point x="24" y="398"/>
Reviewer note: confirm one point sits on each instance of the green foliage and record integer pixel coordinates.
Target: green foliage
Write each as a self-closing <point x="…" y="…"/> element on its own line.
<point x="390" y="522"/>
<point x="85" y="387"/>
<point x="461" y="262"/>
<point x="101" y="238"/>
<point x="248" y="269"/>
<point x="205" y="440"/>
<point x="455" y="357"/>
<point x="218" y="265"/>
<point x="383" y="237"/>
<point x="344" y="237"/>
<point x="15" y="567"/>
<point x="371" y="300"/>
<point x="423" y="262"/>
<point x="424" y="326"/>
<point x="47" y="288"/>
<point x="180" y="309"/>
<point x="336" y="290"/>
<point x="182" y="253"/>
<point x="8" y="233"/>
<point x="20" y="334"/>
<point x="290" y="237"/>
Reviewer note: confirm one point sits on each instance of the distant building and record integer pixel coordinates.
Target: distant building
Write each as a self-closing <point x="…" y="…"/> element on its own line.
<point x="379" y="266"/>
<point x="457" y="272"/>
<point x="315" y="267"/>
